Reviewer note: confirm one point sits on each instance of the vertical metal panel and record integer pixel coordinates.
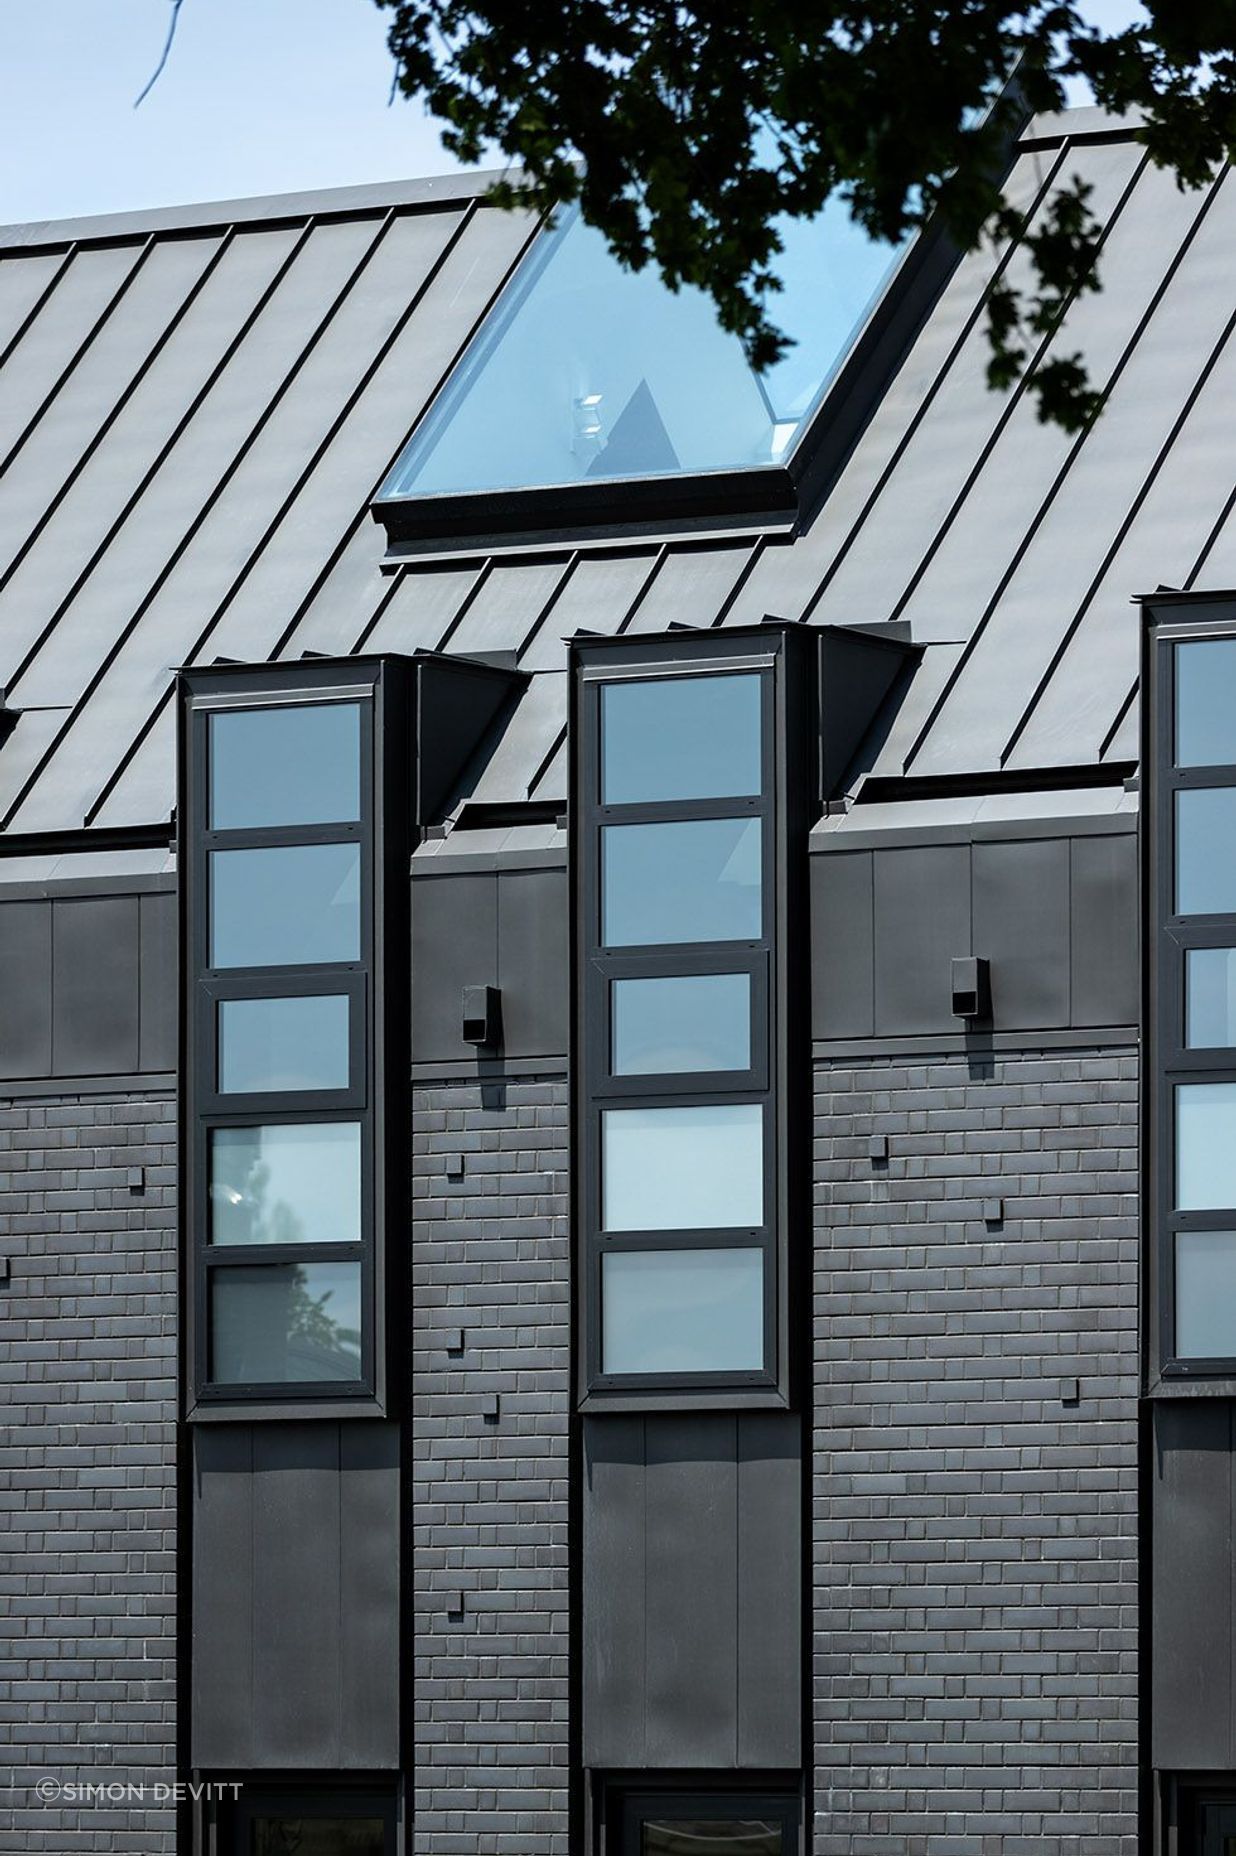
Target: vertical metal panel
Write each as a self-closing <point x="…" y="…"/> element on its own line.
<point x="25" y="989"/>
<point x="421" y="608"/>
<point x="613" y="1593"/>
<point x="126" y="465"/>
<point x="221" y="1714"/>
<point x="690" y="587"/>
<point x="600" y="592"/>
<point x="296" y="1596"/>
<point x="842" y="945"/>
<point x="507" y="607"/>
<point x="921" y="921"/>
<point x="95" y="988"/>
<point x="1021" y="925"/>
<point x="369" y="1553"/>
<point x="770" y="1570"/>
<point x="81" y="297"/>
<point x="533" y="961"/>
<point x="1104" y="939"/>
<point x="104" y="374"/>
<point x="527" y="740"/>
<point x="158" y="982"/>
<point x="1191" y="1587"/>
<point x="454" y="944"/>
<point x="691" y="1556"/>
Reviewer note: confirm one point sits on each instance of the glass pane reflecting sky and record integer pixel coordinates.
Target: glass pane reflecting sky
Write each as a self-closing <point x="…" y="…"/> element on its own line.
<point x="589" y="371"/>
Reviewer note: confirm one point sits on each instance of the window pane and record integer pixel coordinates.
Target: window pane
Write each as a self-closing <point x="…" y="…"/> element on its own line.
<point x="284" y="1322"/>
<point x="1205" y="1146"/>
<point x="290" y="1183"/>
<point x="711" y="1837"/>
<point x="1210" y="997"/>
<point x="694" y="881"/>
<point x="680" y="738"/>
<point x="682" y="1169"/>
<point x="294" y="766"/>
<point x="318" y="1836"/>
<point x="1206" y="851"/>
<point x="1206" y="703"/>
<point x="286" y="906"/>
<point x="271" y="1044"/>
<point x="1206" y="1295"/>
<point x="688" y="1022"/>
<point x="682" y="1311"/>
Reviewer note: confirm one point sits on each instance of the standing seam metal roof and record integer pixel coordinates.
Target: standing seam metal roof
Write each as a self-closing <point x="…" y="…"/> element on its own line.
<point x="196" y="408"/>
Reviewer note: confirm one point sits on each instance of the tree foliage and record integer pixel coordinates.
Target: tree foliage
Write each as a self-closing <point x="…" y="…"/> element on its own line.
<point x="685" y="131"/>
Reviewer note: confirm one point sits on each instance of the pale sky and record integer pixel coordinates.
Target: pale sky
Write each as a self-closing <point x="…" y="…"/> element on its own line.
<point x="259" y="96"/>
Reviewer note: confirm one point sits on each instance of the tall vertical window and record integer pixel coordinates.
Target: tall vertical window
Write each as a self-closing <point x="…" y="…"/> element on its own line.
<point x="1191" y="734"/>
<point x="681" y="832"/>
<point x="282" y="1137"/>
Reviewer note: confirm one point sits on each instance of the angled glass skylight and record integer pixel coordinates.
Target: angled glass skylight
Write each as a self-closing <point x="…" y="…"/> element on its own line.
<point x="585" y="370"/>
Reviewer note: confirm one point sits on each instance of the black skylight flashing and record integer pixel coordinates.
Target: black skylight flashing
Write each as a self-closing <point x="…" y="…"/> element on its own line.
<point x="766" y="496"/>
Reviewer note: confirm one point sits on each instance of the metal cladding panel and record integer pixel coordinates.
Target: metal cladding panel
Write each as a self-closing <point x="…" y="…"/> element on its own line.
<point x="599" y="593"/>
<point x="22" y="284"/>
<point x="691" y="1592"/>
<point x="51" y="342"/>
<point x="95" y="985"/>
<point x="614" y="1593"/>
<point x="369" y="1582"/>
<point x="454" y="944"/>
<point x="1191" y="1653"/>
<point x="108" y="371"/>
<point x="1021" y="924"/>
<point x="528" y="742"/>
<point x="1150" y="349"/>
<point x="295" y="1597"/>
<point x="1104" y="942"/>
<point x="534" y="961"/>
<point x="133" y="474"/>
<point x="922" y="923"/>
<point x="935" y="471"/>
<point x="770" y="1722"/>
<point x="158" y="964"/>
<point x="221" y="1653"/>
<point x="507" y="607"/>
<point x="690" y="587"/>
<point x="420" y="608"/>
<point x="842" y="945"/>
<point x="25" y="989"/>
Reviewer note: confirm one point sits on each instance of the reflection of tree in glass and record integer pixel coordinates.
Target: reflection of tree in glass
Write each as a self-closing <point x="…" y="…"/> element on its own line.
<point x="312" y="1327"/>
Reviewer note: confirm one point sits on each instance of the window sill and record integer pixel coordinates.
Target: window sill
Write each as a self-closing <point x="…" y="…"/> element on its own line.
<point x="712" y="1398"/>
<point x="298" y="1410"/>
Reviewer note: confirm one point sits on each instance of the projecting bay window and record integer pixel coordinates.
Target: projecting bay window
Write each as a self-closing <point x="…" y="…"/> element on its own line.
<point x="1191" y="734"/>
<point x="283" y="1113"/>
<point x="681" y="1190"/>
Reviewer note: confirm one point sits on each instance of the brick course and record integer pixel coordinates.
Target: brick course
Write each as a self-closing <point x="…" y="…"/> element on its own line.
<point x="975" y="1553"/>
<point x="489" y="1485"/>
<point x="87" y="1478"/>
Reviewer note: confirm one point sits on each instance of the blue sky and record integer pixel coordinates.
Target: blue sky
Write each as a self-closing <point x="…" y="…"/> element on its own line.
<point x="259" y="96"/>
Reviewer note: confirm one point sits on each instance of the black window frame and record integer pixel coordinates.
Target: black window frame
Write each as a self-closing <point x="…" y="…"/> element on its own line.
<point x="1170" y="937"/>
<point x="787" y="665"/>
<point x="370" y="1099"/>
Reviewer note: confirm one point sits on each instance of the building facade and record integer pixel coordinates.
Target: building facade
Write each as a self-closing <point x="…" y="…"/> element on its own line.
<point x="617" y="1009"/>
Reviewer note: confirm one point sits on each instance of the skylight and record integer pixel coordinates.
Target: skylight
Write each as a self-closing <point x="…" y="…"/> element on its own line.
<point x="586" y="371"/>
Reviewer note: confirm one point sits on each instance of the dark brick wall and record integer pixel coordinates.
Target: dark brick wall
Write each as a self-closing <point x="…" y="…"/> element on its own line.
<point x="87" y="1485"/>
<point x="974" y="1534"/>
<point x="489" y="1485"/>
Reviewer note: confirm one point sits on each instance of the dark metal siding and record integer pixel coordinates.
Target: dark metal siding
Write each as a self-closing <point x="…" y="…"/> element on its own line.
<point x="691" y="1591"/>
<point x="296" y="1557"/>
<point x="1193" y="1640"/>
<point x="1056" y="917"/>
<point x="87" y="985"/>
